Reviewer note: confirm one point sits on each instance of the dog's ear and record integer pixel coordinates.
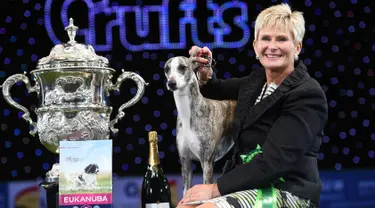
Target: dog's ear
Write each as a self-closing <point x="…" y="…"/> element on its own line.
<point x="167" y="66"/>
<point x="91" y="168"/>
<point x="193" y="64"/>
<point x="87" y="169"/>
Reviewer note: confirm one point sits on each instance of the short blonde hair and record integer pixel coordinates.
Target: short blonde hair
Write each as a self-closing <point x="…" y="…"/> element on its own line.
<point x="282" y="15"/>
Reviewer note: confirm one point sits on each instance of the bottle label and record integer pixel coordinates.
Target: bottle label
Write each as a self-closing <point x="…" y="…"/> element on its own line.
<point x="159" y="205"/>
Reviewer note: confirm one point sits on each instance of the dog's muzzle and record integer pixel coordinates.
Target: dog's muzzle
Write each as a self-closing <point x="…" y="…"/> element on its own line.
<point x="172" y="85"/>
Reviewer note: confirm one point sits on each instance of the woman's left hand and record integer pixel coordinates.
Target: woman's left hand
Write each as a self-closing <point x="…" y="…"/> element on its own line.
<point x="200" y="192"/>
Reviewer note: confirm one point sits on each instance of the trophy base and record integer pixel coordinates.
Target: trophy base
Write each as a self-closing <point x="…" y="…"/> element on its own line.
<point x="52" y="195"/>
<point x="51" y="185"/>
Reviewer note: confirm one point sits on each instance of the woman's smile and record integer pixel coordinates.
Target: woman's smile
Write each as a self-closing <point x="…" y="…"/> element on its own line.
<point x="273" y="56"/>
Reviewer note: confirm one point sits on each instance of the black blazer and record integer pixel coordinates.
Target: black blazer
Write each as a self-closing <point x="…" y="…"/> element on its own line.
<point x="288" y="124"/>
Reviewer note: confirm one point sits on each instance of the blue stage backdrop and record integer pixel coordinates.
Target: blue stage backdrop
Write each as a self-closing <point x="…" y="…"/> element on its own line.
<point x="141" y="35"/>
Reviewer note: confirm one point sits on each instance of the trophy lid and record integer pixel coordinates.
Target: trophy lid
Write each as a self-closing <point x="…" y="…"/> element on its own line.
<point x="72" y="55"/>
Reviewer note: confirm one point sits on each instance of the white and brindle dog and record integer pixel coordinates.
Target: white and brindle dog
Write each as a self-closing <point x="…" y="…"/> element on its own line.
<point x="85" y="180"/>
<point x="203" y="125"/>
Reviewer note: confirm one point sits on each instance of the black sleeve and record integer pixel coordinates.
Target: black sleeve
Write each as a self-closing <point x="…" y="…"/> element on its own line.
<point x="303" y="117"/>
<point x="222" y="89"/>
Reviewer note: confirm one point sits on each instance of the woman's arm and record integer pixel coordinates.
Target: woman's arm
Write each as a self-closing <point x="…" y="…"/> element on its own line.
<point x="304" y="115"/>
<point x="221" y="89"/>
<point x="211" y="87"/>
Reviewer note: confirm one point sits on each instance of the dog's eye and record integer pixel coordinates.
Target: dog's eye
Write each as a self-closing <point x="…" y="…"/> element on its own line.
<point x="166" y="69"/>
<point x="181" y="68"/>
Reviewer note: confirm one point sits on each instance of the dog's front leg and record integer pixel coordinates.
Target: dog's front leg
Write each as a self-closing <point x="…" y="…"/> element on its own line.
<point x="92" y="184"/>
<point x="187" y="172"/>
<point x="208" y="170"/>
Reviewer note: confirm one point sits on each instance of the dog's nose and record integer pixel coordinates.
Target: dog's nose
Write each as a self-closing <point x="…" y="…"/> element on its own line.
<point x="172" y="84"/>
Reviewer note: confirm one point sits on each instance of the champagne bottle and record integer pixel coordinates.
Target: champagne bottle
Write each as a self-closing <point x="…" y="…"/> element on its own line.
<point x="155" y="187"/>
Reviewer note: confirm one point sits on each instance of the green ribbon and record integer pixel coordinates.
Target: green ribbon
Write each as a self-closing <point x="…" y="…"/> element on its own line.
<point x="266" y="197"/>
<point x="249" y="156"/>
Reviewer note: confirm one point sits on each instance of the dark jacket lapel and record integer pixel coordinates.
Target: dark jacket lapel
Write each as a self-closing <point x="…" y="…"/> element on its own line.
<point x="252" y="86"/>
<point x="296" y="78"/>
<point x="247" y="96"/>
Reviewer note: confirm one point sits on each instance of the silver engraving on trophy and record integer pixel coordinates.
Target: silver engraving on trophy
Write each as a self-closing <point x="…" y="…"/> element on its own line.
<point x="73" y="86"/>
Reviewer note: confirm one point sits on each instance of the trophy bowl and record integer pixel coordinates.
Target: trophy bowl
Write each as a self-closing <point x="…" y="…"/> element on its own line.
<point x="73" y="86"/>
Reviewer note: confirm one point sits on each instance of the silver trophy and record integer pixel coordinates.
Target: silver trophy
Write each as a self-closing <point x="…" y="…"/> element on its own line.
<point x="73" y="85"/>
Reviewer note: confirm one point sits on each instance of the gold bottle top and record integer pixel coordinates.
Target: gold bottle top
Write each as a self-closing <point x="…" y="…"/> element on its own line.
<point x="153" y="158"/>
<point x="152" y="136"/>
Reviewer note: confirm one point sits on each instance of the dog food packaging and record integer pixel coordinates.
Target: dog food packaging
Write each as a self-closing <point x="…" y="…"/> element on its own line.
<point x="85" y="174"/>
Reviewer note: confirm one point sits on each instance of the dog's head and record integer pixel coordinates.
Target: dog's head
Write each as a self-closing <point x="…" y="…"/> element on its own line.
<point x="179" y="72"/>
<point x="92" y="169"/>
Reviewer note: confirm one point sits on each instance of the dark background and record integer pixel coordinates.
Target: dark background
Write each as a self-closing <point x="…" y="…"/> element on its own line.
<point x="338" y="47"/>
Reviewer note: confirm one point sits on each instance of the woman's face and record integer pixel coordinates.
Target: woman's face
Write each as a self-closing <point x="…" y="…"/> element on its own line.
<point x="276" y="48"/>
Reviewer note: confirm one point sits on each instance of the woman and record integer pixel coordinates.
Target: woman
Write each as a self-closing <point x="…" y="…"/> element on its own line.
<point x="280" y="115"/>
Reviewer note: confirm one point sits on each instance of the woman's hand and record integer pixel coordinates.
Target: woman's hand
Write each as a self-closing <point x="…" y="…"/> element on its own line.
<point x="200" y="192"/>
<point x="200" y="56"/>
<point x="186" y="206"/>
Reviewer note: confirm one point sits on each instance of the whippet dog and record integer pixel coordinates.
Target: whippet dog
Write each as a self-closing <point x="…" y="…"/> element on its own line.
<point x="203" y="125"/>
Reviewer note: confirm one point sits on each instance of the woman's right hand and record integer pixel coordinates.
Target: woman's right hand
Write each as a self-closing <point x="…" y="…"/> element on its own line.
<point x="198" y="54"/>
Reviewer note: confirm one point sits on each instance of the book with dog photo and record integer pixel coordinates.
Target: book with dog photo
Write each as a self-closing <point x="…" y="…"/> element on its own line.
<point x="85" y="174"/>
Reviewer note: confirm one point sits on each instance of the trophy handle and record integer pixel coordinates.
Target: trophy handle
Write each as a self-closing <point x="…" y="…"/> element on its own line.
<point x="140" y="91"/>
<point x="7" y="85"/>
